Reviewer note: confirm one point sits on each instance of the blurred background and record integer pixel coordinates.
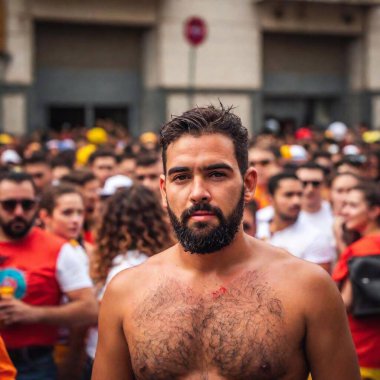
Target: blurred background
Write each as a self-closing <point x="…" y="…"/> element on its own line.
<point x="69" y="63"/>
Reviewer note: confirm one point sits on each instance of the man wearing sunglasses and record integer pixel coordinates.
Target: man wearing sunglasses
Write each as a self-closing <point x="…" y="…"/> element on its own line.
<point x="36" y="270"/>
<point x="315" y="210"/>
<point x="286" y="230"/>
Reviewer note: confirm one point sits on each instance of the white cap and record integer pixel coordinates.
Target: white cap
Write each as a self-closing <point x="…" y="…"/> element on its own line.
<point x="338" y="130"/>
<point x="298" y="153"/>
<point x="10" y="156"/>
<point x="333" y="149"/>
<point x="114" y="183"/>
<point x="351" y="150"/>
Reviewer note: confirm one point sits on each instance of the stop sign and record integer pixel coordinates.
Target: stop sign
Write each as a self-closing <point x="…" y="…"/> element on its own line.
<point x="195" y="30"/>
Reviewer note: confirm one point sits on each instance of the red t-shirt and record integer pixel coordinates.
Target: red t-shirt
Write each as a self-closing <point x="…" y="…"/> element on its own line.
<point x="365" y="331"/>
<point x="29" y="266"/>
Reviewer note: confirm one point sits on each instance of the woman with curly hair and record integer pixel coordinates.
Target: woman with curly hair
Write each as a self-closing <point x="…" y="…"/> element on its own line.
<point x="133" y="228"/>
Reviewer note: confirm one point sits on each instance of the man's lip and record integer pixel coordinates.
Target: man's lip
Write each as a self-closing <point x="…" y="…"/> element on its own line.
<point x="202" y="213"/>
<point x="18" y="225"/>
<point x="202" y="216"/>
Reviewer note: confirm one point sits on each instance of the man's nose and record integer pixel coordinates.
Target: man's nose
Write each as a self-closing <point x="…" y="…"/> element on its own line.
<point x="296" y="200"/>
<point x="18" y="210"/>
<point x="199" y="192"/>
<point x="308" y="186"/>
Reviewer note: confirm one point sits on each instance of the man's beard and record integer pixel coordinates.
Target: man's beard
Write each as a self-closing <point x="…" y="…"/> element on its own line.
<point x="207" y="239"/>
<point x="289" y="218"/>
<point x="22" y="229"/>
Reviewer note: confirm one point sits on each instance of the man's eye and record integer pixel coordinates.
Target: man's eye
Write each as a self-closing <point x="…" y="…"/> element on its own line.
<point x="180" y="177"/>
<point x="217" y="174"/>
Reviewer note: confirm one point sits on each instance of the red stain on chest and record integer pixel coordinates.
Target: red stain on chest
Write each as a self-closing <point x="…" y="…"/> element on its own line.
<point x="217" y="293"/>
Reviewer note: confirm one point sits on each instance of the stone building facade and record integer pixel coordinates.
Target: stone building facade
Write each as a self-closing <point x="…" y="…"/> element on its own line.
<point x="307" y="61"/>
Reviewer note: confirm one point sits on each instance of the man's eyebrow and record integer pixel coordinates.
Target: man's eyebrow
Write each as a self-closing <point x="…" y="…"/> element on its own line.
<point x="178" y="169"/>
<point x="218" y="166"/>
<point x="181" y="169"/>
<point x="288" y="193"/>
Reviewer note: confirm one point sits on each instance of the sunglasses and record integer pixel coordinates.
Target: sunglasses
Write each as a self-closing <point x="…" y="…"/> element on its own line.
<point x="260" y="162"/>
<point x="315" y="184"/>
<point x="10" y="205"/>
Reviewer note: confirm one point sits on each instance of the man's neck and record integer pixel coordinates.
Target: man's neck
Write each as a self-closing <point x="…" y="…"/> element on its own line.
<point x="229" y="256"/>
<point x="312" y="208"/>
<point x="279" y="224"/>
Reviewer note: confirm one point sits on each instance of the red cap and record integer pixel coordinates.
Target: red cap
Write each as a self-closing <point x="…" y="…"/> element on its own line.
<point x="304" y="134"/>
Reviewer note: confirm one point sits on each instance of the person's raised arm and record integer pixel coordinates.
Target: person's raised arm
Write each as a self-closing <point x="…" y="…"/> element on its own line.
<point x="329" y="347"/>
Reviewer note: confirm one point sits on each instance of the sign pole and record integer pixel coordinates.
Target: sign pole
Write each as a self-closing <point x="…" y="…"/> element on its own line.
<point x="192" y="71"/>
<point x="195" y="33"/>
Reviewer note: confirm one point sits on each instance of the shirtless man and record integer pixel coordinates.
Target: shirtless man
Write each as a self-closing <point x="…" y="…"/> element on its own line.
<point x="219" y="304"/>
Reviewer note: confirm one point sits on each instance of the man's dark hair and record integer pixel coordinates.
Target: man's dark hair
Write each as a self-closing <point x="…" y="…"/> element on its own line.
<point x="101" y="153"/>
<point x="321" y="154"/>
<point x="274" y="181"/>
<point x="37" y="158"/>
<point x="18" y="177"/>
<point x="311" y="165"/>
<point x="271" y="149"/>
<point x="65" y="158"/>
<point x="357" y="161"/>
<point x="147" y="159"/>
<point x="78" y="177"/>
<point x="252" y="207"/>
<point x="204" y="121"/>
<point x="127" y="155"/>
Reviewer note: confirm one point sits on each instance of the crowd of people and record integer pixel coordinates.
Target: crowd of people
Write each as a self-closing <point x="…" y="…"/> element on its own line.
<point x="79" y="206"/>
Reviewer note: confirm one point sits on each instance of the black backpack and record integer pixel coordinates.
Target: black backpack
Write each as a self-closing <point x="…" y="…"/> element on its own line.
<point x="364" y="274"/>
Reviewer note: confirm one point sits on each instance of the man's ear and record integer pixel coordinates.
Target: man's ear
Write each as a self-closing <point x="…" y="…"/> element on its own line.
<point x="44" y="216"/>
<point x="163" y="191"/>
<point x="250" y="180"/>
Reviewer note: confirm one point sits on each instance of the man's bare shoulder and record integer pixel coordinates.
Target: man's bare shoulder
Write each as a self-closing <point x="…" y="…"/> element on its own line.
<point x="142" y="275"/>
<point x="310" y="278"/>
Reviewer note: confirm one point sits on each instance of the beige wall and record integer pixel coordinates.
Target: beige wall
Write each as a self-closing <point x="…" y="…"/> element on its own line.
<point x="150" y="59"/>
<point x="356" y="67"/>
<point x="372" y="60"/>
<point x="376" y="112"/>
<point x="229" y="59"/>
<point x="307" y="17"/>
<point x="141" y="12"/>
<point x="14" y="113"/>
<point x="19" y="44"/>
<point x="373" y="50"/>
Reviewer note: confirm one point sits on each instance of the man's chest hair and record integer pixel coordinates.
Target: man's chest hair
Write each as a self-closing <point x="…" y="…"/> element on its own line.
<point x="237" y="330"/>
